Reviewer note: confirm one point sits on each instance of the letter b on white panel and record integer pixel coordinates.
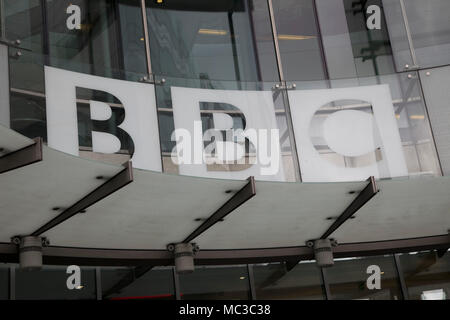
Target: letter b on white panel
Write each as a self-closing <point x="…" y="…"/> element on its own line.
<point x="349" y="133"/>
<point x="254" y="108"/>
<point x="138" y="100"/>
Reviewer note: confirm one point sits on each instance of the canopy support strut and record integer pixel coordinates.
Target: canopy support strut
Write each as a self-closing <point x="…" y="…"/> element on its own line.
<point x="115" y="183"/>
<point x="22" y="157"/>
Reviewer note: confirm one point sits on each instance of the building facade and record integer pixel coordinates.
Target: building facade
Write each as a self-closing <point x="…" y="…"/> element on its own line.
<point x="337" y="111"/>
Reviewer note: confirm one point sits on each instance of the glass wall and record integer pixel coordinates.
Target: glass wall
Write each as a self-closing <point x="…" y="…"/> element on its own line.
<point x="220" y="40"/>
<point x="274" y="281"/>
<point x="427" y="275"/>
<point x="106" y="40"/>
<point x="215" y="283"/>
<point x="229" y="48"/>
<point x="137" y="283"/>
<point x="429" y="30"/>
<point x="50" y="283"/>
<point x="350" y="279"/>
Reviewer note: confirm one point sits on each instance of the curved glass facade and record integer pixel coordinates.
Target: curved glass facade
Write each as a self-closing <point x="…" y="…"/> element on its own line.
<point x="283" y="90"/>
<point x="247" y="51"/>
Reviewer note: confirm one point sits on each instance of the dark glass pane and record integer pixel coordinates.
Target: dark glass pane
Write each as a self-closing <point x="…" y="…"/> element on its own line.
<point x="220" y="40"/>
<point x="348" y="279"/>
<point x="274" y="282"/>
<point x="299" y="40"/>
<point x="427" y="276"/>
<point x="350" y="48"/>
<point x="109" y="31"/>
<point x="23" y="21"/>
<point x="4" y="282"/>
<point x="215" y="283"/>
<point x="137" y="283"/>
<point x="50" y="283"/>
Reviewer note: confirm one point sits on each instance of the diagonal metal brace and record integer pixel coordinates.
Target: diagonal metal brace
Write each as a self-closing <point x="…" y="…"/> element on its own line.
<point x="364" y="196"/>
<point x="117" y="182"/>
<point x="246" y="193"/>
<point x="22" y="157"/>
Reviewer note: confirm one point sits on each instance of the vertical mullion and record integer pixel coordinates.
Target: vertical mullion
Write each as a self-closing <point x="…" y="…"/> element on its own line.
<point x="251" y="282"/>
<point x="146" y="40"/>
<point x="176" y="284"/>
<point x="401" y="279"/>
<point x="320" y="40"/>
<point x="289" y="122"/>
<point x="45" y="33"/>
<point x="408" y="34"/>
<point x="98" y="283"/>
<point x="325" y="284"/>
<point x="12" y="282"/>
<point x="275" y="40"/>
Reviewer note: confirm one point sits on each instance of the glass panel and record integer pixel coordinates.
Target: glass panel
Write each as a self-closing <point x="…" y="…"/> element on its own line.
<point x="430" y="31"/>
<point x="137" y="283"/>
<point x="350" y="279"/>
<point x="298" y="39"/>
<point x="225" y="113"/>
<point x="215" y="283"/>
<point x="4" y="281"/>
<point x="361" y="127"/>
<point x="274" y="282"/>
<point x="106" y="41"/>
<point x="398" y="35"/>
<point x="4" y="87"/>
<point x="436" y="90"/>
<point x="351" y="49"/>
<point x="23" y="21"/>
<point x="50" y="283"/>
<point x="229" y="40"/>
<point x="427" y="276"/>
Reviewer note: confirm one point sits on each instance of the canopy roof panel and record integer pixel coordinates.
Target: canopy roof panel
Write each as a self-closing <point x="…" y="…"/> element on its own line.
<point x="11" y="141"/>
<point x="29" y="194"/>
<point x="153" y="211"/>
<point x="403" y="209"/>
<point x="156" y="209"/>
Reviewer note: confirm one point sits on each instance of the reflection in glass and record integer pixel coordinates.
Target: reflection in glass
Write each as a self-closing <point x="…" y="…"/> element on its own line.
<point x="427" y="275"/>
<point x="50" y="283"/>
<point x="215" y="283"/>
<point x="226" y="40"/>
<point x="137" y="283"/>
<point x="350" y="48"/>
<point x="108" y="42"/>
<point x="299" y="41"/>
<point x="348" y="279"/>
<point x="273" y="281"/>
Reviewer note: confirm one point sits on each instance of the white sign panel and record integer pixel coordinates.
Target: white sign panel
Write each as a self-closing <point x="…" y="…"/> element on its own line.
<point x="138" y="100"/>
<point x="257" y="112"/>
<point x="349" y="133"/>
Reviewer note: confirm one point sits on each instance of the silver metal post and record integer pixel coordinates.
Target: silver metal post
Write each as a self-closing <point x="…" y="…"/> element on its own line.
<point x="408" y="35"/>
<point x="146" y="40"/>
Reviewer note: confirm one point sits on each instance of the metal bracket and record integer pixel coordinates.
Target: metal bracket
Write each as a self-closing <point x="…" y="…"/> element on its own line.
<point x="363" y="197"/>
<point x="247" y="192"/>
<point x="22" y="157"/>
<point x="171" y="247"/>
<point x="282" y="86"/>
<point x="117" y="182"/>
<point x="151" y="79"/>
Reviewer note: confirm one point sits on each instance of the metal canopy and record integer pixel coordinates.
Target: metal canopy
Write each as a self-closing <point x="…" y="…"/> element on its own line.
<point x="403" y="209"/>
<point x="11" y="141"/>
<point x="157" y="209"/>
<point x="33" y="195"/>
